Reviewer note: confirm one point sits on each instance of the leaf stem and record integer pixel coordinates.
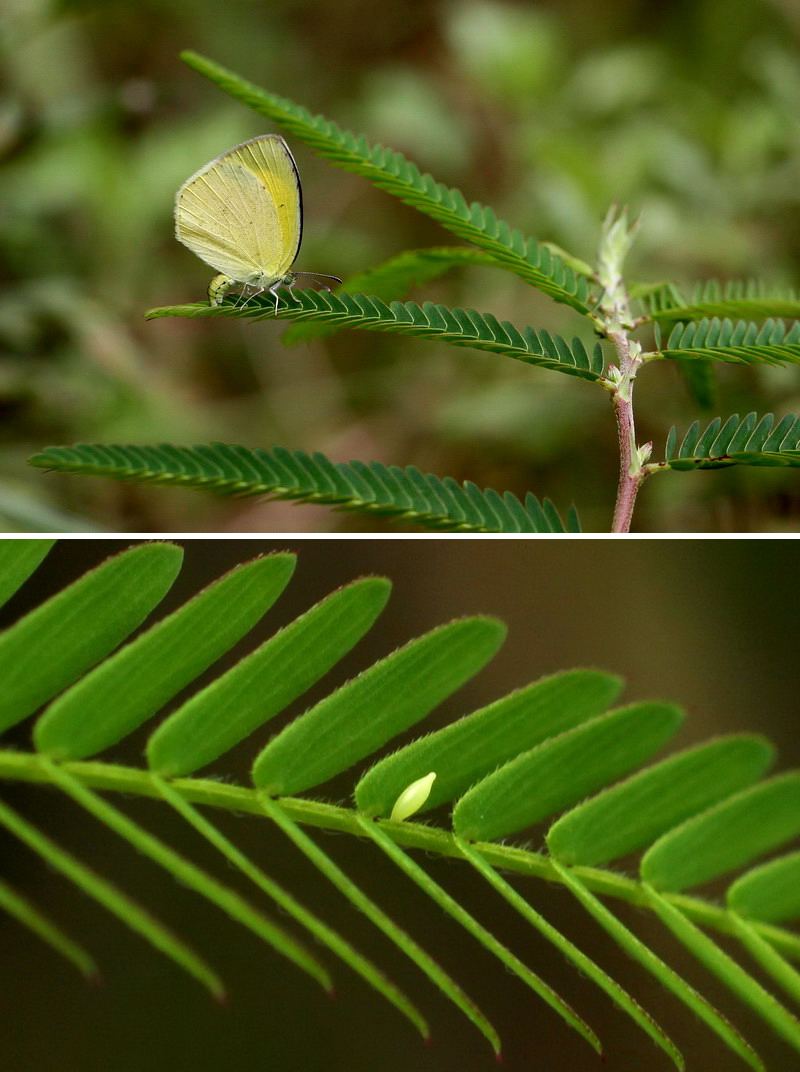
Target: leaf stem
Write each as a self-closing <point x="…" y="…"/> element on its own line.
<point x="111" y="777"/>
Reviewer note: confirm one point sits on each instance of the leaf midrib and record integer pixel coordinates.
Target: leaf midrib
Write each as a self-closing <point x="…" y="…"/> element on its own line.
<point x="25" y="766"/>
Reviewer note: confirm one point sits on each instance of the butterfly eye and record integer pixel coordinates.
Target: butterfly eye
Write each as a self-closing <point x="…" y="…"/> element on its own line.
<point x="412" y="798"/>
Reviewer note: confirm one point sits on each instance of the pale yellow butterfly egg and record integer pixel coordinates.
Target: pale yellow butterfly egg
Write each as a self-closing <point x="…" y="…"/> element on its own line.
<point x="412" y="798"/>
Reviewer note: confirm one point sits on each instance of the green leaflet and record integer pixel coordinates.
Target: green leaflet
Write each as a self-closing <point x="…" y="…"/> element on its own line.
<point x="739" y="341"/>
<point x="224" y="469"/>
<point x="469" y="749"/>
<point x="631" y="944"/>
<point x="324" y="934"/>
<point x="735" y="298"/>
<point x="29" y="916"/>
<point x="18" y="560"/>
<point x="550" y="729"/>
<point x="726" y="836"/>
<point x="392" y="280"/>
<point x="477" y="930"/>
<point x="390" y="171"/>
<point x="776" y="965"/>
<point x="770" y="892"/>
<point x="563" y="770"/>
<point x="669" y="978"/>
<point x="634" y="813"/>
<point x="725" y="968"/>
<point x="751" y="441"/>
<point x="128" y="688"/>
<point x="189" y="874"/>
<point x="52" y="646"/>
<point x="262" y="684"/>
<point x="375" y="706"/>
<point x="378" y="917"/>
<point x="113" y="778"/>
<point x="459" y="327"/>
<point x="658" y="299"/>
<point x="584" y="964"/>
<point x="112" y="899"/>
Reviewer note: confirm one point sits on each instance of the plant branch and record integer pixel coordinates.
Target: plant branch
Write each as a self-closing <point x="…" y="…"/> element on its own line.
<point x="632" y="472"/>
<point x="27" y="767"/>
<point x="616" y="321"/>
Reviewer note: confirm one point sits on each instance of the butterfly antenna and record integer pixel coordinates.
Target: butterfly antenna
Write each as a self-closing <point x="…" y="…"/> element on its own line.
<point x="320" y="275"/>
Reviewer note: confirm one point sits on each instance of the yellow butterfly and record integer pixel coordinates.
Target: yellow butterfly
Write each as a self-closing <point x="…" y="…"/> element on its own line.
<point x="242" y="213"/>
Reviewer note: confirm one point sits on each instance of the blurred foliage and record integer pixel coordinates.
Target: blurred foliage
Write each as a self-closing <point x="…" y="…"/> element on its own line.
<point x="686" y="111"/>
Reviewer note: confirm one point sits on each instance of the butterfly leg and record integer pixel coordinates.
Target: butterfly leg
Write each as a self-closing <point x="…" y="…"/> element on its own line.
<point x="218" y="288"/>
<point x="273" y="290"/>
<point x="289" y="283"/>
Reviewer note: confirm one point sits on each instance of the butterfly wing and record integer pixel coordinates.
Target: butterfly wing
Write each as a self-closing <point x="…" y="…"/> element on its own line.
<point x="242" y="213"/>
<point x="269" y="160"/>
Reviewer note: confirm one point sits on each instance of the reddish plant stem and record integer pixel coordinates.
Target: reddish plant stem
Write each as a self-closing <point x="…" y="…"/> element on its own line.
<point x="616" y="321"/>
<point x="629" y="477"/>
<point x="631" y="470"/>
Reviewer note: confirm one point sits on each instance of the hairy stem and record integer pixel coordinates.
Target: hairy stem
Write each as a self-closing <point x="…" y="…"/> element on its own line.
<point x="631" y="470"/>
<point x="616" y="322"/>
<point x="27" y="767"/>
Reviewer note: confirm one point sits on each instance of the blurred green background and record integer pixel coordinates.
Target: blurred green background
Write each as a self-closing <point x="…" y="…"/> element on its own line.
<point x="686" y="111"/>
<point x="707" y="624"/>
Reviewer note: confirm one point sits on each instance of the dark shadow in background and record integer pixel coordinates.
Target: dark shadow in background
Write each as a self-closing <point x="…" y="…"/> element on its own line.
<point x="711" y="625"/>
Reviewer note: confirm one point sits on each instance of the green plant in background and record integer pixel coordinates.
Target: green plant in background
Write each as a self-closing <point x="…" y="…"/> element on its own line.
<point x="557" y="747"/>
<point x="707" y="327"/>
<point x="548" y="113"/>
